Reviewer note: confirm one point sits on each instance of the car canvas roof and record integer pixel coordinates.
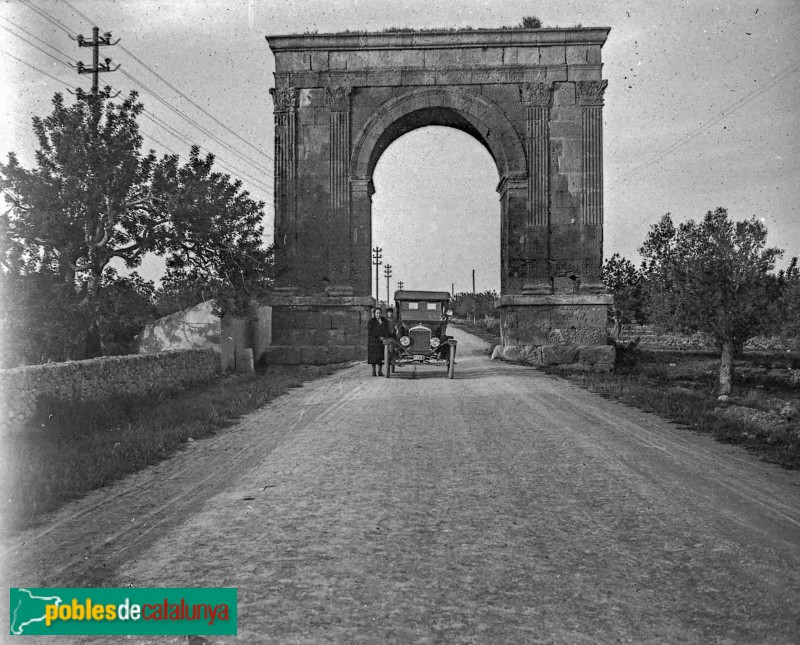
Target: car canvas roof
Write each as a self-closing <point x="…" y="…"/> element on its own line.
<point x="422" y="295"/>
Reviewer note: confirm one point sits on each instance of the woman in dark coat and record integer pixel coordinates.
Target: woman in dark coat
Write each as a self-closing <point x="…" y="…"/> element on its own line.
<point x="377" y="328"/>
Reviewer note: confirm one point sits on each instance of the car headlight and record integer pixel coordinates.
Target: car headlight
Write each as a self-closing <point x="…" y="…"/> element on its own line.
<point x="435" y="342"/>
<point x="405" y="341"/>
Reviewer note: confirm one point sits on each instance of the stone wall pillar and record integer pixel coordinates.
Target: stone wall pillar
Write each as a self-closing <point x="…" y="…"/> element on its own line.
<point x="360" y="244"/>
<point x="285" y="190"/>
<point x="590" y="98"/>
<point x="513" y="191"/>
<point x="537" y="98"/>
<point x="337" y="99"/>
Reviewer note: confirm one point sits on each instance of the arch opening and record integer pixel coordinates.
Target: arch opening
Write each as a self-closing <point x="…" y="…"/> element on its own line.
<point x="435" y="211"/>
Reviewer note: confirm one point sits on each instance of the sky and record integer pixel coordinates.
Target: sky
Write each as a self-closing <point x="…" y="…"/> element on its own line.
<point x="701" y="110"/>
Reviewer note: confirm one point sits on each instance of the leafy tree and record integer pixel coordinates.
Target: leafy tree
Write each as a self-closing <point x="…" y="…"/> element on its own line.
<point x="214" y="236"/>
<point x="40" y="319"/>
<point x="710" y="276"/>
<point x="786" y="302"/>
<point x="125" y="308"/>
<point x="479" y="305"/>
<point x="624" y="282"/>
<point x="178" y="293"/>
<point x="88" y="199"/>
<point x="93" y="197"/>
<point x="530" y="22"/>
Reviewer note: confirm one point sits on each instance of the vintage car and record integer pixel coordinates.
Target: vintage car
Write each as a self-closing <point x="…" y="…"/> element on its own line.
<point x="421" y="337"/>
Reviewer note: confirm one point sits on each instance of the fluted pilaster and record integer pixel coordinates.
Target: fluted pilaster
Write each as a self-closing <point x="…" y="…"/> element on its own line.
<point x="337" y="99"/>
<point x="590" y="98"/>
<point x="285" y="189"/>
<point x="537" y="98"/>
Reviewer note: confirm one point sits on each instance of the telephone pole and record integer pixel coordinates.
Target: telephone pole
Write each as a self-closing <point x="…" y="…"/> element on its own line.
<point x="387" y="271"/>
<point x="96" y="69"/>
<point x="400" y="285"/>
<point x="376" y="260"/>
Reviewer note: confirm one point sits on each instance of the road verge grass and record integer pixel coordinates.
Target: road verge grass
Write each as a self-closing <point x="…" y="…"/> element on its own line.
<point x="657" y="382"/>
<point x="69" y="450"/>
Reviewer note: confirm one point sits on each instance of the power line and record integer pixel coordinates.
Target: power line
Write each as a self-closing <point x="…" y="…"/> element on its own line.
<point x="175" y="89"/>
<point x="80" y="13"/>
<point x="197" y="125"/>
<point x="35" y="46"/>
<point x="2" y="51"/>
<point x="209" y="115"/>
<point x="747" y="98"/>
<point x="193" y="122"/>
<point x="227" y="165"/>
<point x="97" y="67"/>
<point x="47" y="16"/>
<point x="157" y="142"/>
<point x="234" y="171"/>
<point x="46" y="44"/>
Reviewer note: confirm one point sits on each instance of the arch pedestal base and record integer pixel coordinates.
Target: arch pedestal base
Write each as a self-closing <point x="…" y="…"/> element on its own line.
<point x="567" y="330"/>
<point x="317" y="330"/>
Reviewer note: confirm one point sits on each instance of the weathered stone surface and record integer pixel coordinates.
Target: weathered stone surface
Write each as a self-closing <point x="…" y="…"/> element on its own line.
<point x="597" y="354"/>
<point x="577" y="335"/>
<point x="532" y="97"/>
<point x="559" y="354"/>
<point x="518" y="354"/>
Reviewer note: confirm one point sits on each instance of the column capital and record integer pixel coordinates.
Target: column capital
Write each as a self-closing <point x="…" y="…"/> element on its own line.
<point x="360" y="185"/>
<point x="337" y="97"/>
<point x="590" y="93"/>
<point x="513" y="181"/>
<point x="536" y="94"/>
<point x="284" y="98"/>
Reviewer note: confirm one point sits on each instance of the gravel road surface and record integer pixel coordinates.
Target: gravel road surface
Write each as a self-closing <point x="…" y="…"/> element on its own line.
<point x="504" y="506"/>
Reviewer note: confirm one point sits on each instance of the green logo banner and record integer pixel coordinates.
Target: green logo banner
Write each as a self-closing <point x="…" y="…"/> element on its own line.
<point x="120" y="611"/>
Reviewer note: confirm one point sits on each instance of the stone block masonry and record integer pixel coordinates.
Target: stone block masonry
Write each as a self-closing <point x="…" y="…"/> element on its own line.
<point x="100" y="380"/>
<point x="532" y="97"/>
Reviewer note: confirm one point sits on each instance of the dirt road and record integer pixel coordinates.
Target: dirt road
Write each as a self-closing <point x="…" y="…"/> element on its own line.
<point x="504" y="506"/>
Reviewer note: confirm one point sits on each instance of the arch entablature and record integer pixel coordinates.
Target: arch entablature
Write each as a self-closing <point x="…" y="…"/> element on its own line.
<point x="471" y="113"/>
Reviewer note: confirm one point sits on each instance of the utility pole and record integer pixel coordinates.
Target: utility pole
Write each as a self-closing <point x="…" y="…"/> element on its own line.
<point x="452" y="288"/>
<point x="96" y="43"/>
<point x="400" y="285"/>
<point x="376" y="260"/>
<point x="387" y="271"/>
<point x="473" y="282"/>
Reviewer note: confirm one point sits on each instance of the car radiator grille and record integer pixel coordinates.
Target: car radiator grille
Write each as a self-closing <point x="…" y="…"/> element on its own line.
<point x="420" y="339"/>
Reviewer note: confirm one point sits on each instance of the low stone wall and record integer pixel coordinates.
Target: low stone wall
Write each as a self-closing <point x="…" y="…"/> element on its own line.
<point x="653" y="339"/>
<point x="101" y="379"/>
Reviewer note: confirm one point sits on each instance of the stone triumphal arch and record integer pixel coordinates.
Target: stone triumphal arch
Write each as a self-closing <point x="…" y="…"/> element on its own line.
<point x="533" y="98"/>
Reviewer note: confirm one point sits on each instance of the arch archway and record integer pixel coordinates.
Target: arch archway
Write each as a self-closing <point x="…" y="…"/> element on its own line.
<point x="435" y="212"/>
<point x="472" y="114"/>
<point x="533" y="98"/>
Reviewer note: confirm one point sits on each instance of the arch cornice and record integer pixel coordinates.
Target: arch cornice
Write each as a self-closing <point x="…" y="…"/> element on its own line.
<point x="488" y="123"/>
